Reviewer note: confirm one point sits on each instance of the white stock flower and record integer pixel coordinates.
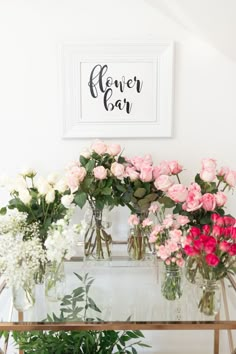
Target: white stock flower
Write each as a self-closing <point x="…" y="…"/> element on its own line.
<point x="25" y="196"/>
<point x="50" y="196"/>
<point x="67" y="200"/>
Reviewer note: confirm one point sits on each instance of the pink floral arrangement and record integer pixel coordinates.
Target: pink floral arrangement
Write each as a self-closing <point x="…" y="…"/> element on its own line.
<point x="206" y="195"/>
<point x="213" y="247"/>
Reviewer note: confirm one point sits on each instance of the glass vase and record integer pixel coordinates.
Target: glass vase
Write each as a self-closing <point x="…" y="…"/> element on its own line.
<point x="172" y="282"/>
<point x="191" y="270"/>
<point x="55" y="281"/>
<point x="97" y="239"/>
<point x="138" y="245"/>
<point x="208" y="296"/>
<point x="23" y="297"/>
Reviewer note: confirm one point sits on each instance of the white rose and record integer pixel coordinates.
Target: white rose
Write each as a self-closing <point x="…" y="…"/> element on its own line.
<point x="25" y="196"/>
<point x="61" y="185"/>
<point x="67" y="200"/>
<point x="52" y="178"/>
<point x="50" y="196"/>
<point x="28" y="172"/>
<point x="43" y="186"/>
<point x="19" y="183"/>
<point x="86" y="153"/>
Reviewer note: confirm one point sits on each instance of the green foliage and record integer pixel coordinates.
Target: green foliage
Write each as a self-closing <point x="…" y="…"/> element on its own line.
<point x="74" y="307"/>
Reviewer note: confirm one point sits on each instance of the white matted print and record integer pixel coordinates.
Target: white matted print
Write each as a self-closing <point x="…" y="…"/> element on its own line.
<point x="122" y="90"/>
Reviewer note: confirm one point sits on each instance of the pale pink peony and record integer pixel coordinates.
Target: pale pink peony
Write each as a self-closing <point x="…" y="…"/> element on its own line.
<point x="100" y="172"/>
<point x="221" y="199"/>
<point x="168" y="221"/>
<point x="175" y="167"/>
<point x="172" y="246"/>
<point x="133" y="219"/>
<point x="152" y="238"/>
<point x="146" y="173"/>
<point x="163" y="183"/>
<point x="156" y="230"/>
<point x="178" y="193"/>
<point x="118" y="170"/>
<point x="99" y="147"/>
<point x="154" y="207"/>
<point x="175" y="235"/>
<point x="113" y="149"/>
<point x="208" y="202"/>
<point x="163" y="252"/>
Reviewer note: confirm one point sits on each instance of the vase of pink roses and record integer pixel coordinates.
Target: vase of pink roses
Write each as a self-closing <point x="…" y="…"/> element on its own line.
<point x="169" y="239"/>
<point x="146" y="184"/>
<point x="213" y="247"/>
<point x="202" y="198"/>
<point x="98" y="179"/>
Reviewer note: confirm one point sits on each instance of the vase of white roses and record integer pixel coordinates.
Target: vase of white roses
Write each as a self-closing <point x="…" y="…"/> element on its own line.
<point x="98" y="179"/>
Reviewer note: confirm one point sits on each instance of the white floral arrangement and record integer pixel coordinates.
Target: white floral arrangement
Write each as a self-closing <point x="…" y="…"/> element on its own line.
<point x="20" y="260"/>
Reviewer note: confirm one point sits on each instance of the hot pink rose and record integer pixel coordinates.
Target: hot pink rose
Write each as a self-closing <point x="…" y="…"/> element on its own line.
<point x="224" y="246"/>
<point x="232" y="250"/>
<point x="193" y="201"/>
<point x="182" y="220"/>
<point x="215" y="217"/>
<point x="221" y="199"/>
<point x="208" y="202"/>
<point x="178" y="193"/>
<point x="133" y="219"/>
<point x="113" y="149"/>
<point x="100" y="172"/>
<point x="146" y="174"/>
<point x="206" y="229"/>
<point x="162" y="169"/>
<point x="208" y="175"/>
<point x="175" y="167"/>
<point x="209" y="164"/>
<point x="131" y="173"/>
<point x="163" y="183"/>
<point x="210" y="245"/>
<point x="212" y="260"/>
<point x="118" y="170"/>
<point x="190" y="251"/>
<point x="99" y="147"/>
<point x="230" y="178"/>
<point x="229" y="221"/>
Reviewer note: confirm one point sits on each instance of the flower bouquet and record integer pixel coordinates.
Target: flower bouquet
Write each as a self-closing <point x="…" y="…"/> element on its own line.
<point x="145" y="185"/>
<point x="169" y="239"/>
<point x="213" y="248"/>
<point x="97" y="178"/>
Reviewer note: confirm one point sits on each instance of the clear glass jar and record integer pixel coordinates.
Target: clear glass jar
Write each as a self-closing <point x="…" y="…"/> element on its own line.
<point x="172" y="282"/>
<point x="208" y="296"/>
<point x="55" y="281"/>
<point x="23" y="297"/>
<point x="97" y="239"/>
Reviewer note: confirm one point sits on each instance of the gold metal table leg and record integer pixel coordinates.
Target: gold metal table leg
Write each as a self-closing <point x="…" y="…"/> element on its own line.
<point x="20" y="319"/>
<point x="226" y="308"/>
<point x="217" y="337"/>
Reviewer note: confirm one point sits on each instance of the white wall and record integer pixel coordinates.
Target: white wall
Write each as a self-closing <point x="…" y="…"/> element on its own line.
<point x="31" y="129"/>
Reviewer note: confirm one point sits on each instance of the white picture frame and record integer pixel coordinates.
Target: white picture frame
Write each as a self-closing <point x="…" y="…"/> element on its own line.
<point x="117" y="90"/>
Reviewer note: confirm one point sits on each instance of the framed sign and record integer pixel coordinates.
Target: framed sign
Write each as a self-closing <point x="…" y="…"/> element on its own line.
<point x="117" y="90"/>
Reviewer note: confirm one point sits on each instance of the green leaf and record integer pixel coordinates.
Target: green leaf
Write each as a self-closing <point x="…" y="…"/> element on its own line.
<point x="78" y="291"/>
<point x="92" y="305"/>
<point x="90" y="165"/>
<point x="83" y="160"/>
<point x="106" y="191"/>
<point x="168" y="203"/>
<point x="3" y="211"/>
<point x="140" y="192"/>
<point x="80" y="199"/>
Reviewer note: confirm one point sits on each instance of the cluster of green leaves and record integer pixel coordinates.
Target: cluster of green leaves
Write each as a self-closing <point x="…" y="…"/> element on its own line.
<point x="142" y="194"/>
<point x="110" y="191"/>
<point x="74" y="307"/>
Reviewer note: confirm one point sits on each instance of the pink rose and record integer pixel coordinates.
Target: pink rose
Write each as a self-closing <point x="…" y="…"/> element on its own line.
<point x="133" y="219"/>
<point x="152" y="238"/>
<point x="182" y="220"/>
<point x="212" y="260"/>
<point x="175" y="167"/>
<point x="208" y="202"/>
<point x="146" y="174"/>
<point x="163" y="183"/>
<point x="193" y="201"/>
<point x="168" y="221"/>
<point x="163" y="252"/>
<point x="224" y="246"/>
<point x="208" y="164"/>
<point x="194" y="187"/>
<point x="175" y="235"/>
<point x="147" y="160"/>
<point x="118" y="170"/>
<point x="74" y="177"/>
<point x="137" y="162"/>
<point x="156" y="230"/>
<point x="131" y="173"/>
<point x="162" y="169"/>
<point x="180" y="262"/>
<point x="221" y="199"/>
<point x="230" y="178"/>
<point x="147" y="222"/>
<point x="223" y="171"/>
<point x="100" y="172"/>
<point x="208" y="175"/>
<point x="113" y="149"/>
<point x="99" y="147"/>
<point x="178" y="193"/>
